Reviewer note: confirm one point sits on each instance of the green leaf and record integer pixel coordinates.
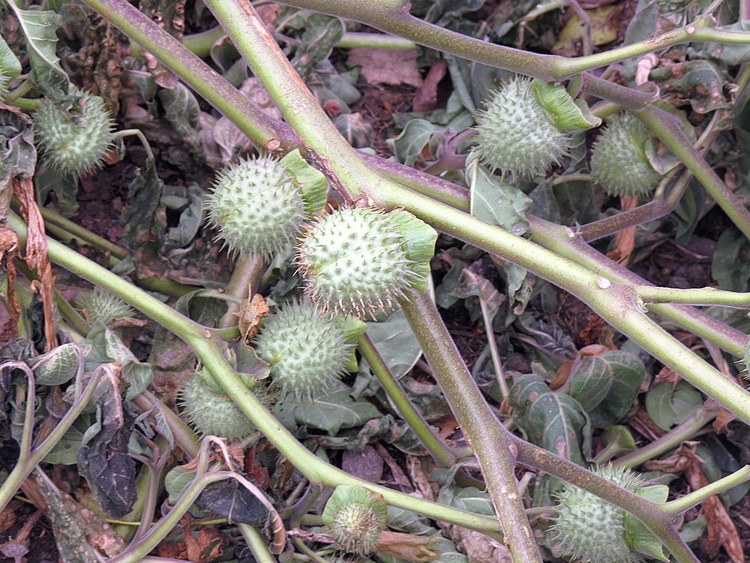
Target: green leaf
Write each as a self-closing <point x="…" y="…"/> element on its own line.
<point x="551" y="420"/>
<point x="668" y="406"/>
<point x="730" y="265"/>
<point x="606" y="385"/>
<point x="638" y="535"/>
<point x="412" y="140"/>
<point x="10" y="66"/>
<point x="563" y="110"/>
<point x="396" y="343"/>
<point x="176" y="481"/>
<point x="699" y="82"/>
<point x="496" y="202"/>
<point x="40" y="29"/>
<point x="311" y="182"/>
<point x="59" y="365"/>
<point x="65" y="451"/>
<point x="333" y="411"/>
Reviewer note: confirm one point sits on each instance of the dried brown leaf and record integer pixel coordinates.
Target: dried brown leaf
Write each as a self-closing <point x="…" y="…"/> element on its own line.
<point x="720" y="530"/>
<point x="407" y="546"/>
<point x="36" y="255"/>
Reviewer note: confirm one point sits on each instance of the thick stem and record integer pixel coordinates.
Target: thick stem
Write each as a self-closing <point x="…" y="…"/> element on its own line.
<point x="483" y="431"/>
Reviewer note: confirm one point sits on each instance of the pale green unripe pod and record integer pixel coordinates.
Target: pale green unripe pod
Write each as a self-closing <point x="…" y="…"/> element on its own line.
<point x="516" y="134"/>
<point x="256" y="207"/>
<point x="307" y="350"/>
<point x="590" y="529"/>
<point x="360" y="260"/>
<point x="74" y="136"/>
<point x="618" y="160"/>
<point x="212" y="412"/>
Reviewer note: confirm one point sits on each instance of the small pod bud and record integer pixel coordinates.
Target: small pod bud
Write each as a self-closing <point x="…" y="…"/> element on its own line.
<point x="356" y="517"/>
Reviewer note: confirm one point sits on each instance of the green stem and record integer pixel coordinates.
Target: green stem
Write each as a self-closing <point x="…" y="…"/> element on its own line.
<point x="686" y="430"/>
<point x="483" y="431"/>
<point x="261" y="129"/>
<point x="494" y="352"/>
<point x="706" y="296"/>
<point x="565" y="242"/>
<point x="667" y="128"/>
<point x="256" y="543"/>
<point x="682" y="504"/>
<point x="394" y="17"/>
<point x="244" y="282"/>
<point x="141" y="137"/>
<point x="439" y="450"/>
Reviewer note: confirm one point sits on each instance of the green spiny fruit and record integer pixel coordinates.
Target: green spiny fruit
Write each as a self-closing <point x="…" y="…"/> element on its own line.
<point x="256" y="207"/>
<point x="210" y="411"/>
<point x="360" y="260"/>
<point x="591" y="530"/>
<point x="306" y="350"/>
<point x="103" y="307"/>
<point x="516" y="133"/>
<point x="356" y="517"/>
<point x="74" y="135"/>
<point x="618" y="160"/>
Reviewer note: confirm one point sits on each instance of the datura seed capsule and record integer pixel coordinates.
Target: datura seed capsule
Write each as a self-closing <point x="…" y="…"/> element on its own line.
<point x="356" y="517"/>
<point x="74" y="136"/>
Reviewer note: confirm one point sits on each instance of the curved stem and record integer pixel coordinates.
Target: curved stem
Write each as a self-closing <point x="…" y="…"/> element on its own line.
<point x="686" y="430"/>
<point x="682" y="504"/>
<point x="208" y="348"/>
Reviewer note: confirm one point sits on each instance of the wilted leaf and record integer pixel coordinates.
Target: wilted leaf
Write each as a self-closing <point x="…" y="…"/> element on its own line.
<point x="79" y="532"/>
<point x="321" y="34"/>
<point x="231" y="500"/>
<point x="730" y="265"/>
<point x="104" y="460"/>
<point x="182" y="111"/>
<point x="700" y="83"/>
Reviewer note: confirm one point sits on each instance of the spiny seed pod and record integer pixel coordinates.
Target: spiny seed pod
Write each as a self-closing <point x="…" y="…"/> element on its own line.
<point x="356" y="517"/>
<point x="210" y="411"/>
<point x="360" y="260"/>
<point x="256" y="207"/>
<point x="306" y="350"/>
<point x="74" y="135"/>
<point x="100" y="306"/>
<point x="589" y="529"/>
<point x="618" y="159"/>
<point x="516" y="134"/>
